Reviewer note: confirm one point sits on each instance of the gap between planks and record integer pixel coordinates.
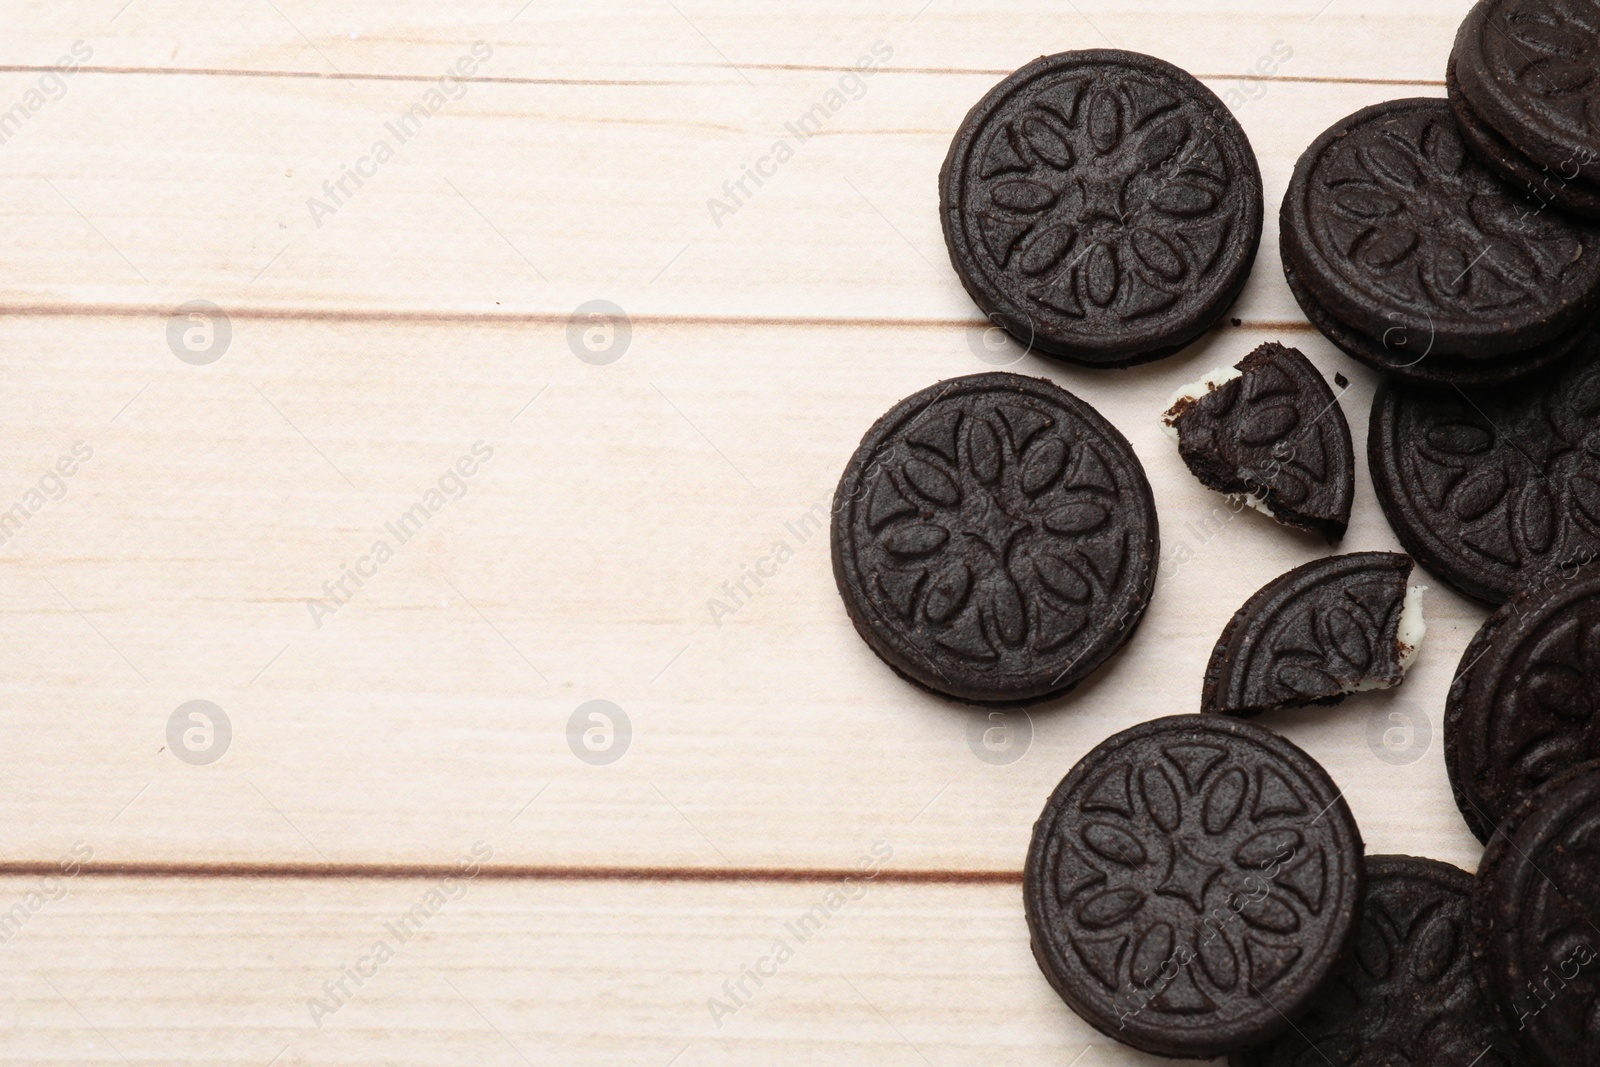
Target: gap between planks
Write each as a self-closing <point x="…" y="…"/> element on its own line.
<point x="498" y="317"/>
<point x="509" y="873"/>
<point x="504" y="79"/>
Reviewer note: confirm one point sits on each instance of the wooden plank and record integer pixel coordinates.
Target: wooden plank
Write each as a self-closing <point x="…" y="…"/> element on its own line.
<point x="232" y="972"/>
<point x="579" y="563"/>
<point x="716" y="39"/>
<point x="522" y="199"/>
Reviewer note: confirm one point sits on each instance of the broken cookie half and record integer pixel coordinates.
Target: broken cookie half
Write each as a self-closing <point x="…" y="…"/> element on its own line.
<point x="1335" y="626"/>
<point x="1269" y="431"/>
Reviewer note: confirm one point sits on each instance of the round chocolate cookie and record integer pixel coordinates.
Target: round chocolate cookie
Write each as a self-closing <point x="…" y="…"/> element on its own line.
<point x="1490" y="489"/>
<point x="1394" y="232"/>
<point x="1324" y="630"/>
<point x="1543" y="187"/>
<point x="994" y="538"/>
<point x="1101" y="206"/>
<point x="1408" y="994"/>
<point x="1529" y="70"/>
<point x="1191" y="883"/>
<point x="1536" y="939"/>
<point x="1525" y="703"/>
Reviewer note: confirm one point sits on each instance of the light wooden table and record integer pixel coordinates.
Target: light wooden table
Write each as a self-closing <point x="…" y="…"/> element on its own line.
<point x="369" y="339"/>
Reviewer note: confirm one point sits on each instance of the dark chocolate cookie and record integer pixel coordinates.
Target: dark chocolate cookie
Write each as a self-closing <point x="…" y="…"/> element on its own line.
<point x="1405" y="354"/>
<point x="1408" y="994"/>
<point x="1275" y="433"/>
<point x="1564" y="188"/>
<point x="1190" y="884"/>
<point x="1393" y="230"/>
<point x="1530" y="71"/>
<point x="1525" y="704"/>
<point x="994" y="538"/>
<point x="1315" y="634"/>
<point x="1536" y="921"/>
<point x="1101" y="206"/>
<point x="1491" y="488"/>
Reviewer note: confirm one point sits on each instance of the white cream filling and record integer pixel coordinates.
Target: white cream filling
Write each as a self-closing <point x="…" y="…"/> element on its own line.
<point x="1253" y="501"/>
<point x="1194" y="391"/>
<point x="1407" y="639"/>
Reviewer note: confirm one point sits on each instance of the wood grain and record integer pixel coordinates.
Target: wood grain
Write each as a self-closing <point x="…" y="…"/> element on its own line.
<point x="582" y="562"/>
<point x="379" y="333"/>
<point x="241" y="974"/>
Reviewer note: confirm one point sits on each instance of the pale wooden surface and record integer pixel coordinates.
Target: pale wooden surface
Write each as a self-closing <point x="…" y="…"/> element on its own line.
<point x="430" y="712"/>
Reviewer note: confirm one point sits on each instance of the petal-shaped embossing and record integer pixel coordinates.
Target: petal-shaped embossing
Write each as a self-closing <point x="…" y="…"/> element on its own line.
<point x="1306" y="681"/>
<point x="983" y="451"/>
<point x="1388" y="248"/>
<point x="931" y="482"/>
<point x="948" y="593"/>
<point x="1113" y="843"/>
<point x="1105" y="121"/>
<point x="1366" y="203"/>
<point x="1046" y="249"/>
<point x="1559" y="690"/>
<point x="1459" y="438"/>
<point x="1021" y="194"/>
<point x="1541" y="36"/>
<point x="1160" y="797"/>
<point x="1100" y="274"/>
<point x="1157" y="254"/>
<point x="1043" y="465"/>
<point x="1537" y="517"/>
<point x="1346" y="638"/>
<point x="1183" y="200"/>
<point x="1271" y="913"/>
<point x="1479" y="491"/>
<point x="1436" y="948"/>
<point x="1080" y="518"/>
<point x="1218" y="959"/>
<point x="1268" y="848"/>
<point x="1586" y="494"/>
<point x="1005" y="604"/>
<point x="1109" y="908"/>
<point x="1164" y="141"/>
<point x="1452" y="269"/>
<point x="1047" y="143"/>
<point x="1266" y="423"/>
<point x="1444" y="148"/>
<point x="1061" y="578"/>
<point x="1223" y="801"/>
<point x="1387" y="159"/>
<point x="1266" y="381"/>
<point x="1151" y="955"/>
<point x="916" y="539"/>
